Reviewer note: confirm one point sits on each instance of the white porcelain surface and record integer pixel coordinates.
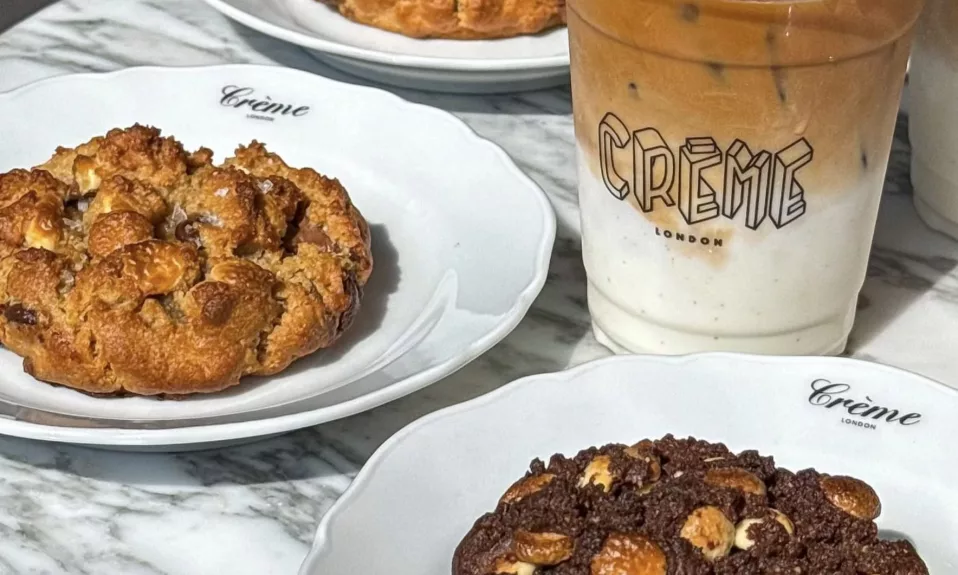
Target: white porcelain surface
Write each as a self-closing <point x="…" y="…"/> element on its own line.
<point x="472" y="66"/>
<point x="461" y="243"/>
<point x="254" y="509"/>
<point x="453" y="466"/>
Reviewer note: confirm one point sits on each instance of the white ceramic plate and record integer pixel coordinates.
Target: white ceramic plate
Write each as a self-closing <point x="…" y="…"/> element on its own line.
<point x="420" y="493"/>
<point x="461" y="240"/>
<point x="471" y="66"/>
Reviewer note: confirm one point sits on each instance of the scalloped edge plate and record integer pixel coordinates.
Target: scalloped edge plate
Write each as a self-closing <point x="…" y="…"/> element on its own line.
<point x="460" y="66"/>
<point x="474" y="237"/>
<point x="421" y="491"/>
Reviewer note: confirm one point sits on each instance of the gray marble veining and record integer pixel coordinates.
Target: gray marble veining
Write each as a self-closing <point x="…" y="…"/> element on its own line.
<point x="253" y="509"/>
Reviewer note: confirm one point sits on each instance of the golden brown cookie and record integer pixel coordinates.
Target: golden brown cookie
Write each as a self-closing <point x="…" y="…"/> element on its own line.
<point x="128" y="265"/>
<point x="456" y="19"/>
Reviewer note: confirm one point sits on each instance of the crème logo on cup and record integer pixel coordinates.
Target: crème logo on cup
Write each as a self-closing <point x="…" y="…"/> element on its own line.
<point x="863" y="413"/>
<point x="259" y="107"/>
<point x="763" y="184"/>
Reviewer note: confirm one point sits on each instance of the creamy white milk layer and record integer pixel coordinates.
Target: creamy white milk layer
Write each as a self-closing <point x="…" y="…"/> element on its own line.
<point x="789" y="290"/>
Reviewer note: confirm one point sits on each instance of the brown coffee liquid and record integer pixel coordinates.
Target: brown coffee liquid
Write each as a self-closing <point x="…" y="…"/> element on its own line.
<point x="765" y="73"/>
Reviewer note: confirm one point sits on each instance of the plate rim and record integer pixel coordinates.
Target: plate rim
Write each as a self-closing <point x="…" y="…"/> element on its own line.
<point x="369" y="468"/>
<point x="108" y="436"/>
<point x="330" y="47"/>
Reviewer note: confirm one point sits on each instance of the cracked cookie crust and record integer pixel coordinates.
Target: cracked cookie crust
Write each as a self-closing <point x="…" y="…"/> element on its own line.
<point x="455" y="19"/>
<point x="128" y="265"/>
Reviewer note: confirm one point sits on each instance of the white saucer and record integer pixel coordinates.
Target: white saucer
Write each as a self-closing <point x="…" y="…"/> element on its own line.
<point x="421" y="492"/>
<point x="461" y="239"/>
<point x="472" y="66"/>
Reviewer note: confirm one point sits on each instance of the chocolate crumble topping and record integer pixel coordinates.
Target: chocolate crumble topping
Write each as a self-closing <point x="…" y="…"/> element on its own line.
<point x="681" y="507"/>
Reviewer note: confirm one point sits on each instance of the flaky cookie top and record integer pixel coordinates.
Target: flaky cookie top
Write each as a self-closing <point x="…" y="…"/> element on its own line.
<point x="130" y="265"/>
<point x="455" y="19"/>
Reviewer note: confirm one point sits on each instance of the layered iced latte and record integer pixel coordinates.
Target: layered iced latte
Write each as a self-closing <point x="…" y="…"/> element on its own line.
<point x="731" y="159"/>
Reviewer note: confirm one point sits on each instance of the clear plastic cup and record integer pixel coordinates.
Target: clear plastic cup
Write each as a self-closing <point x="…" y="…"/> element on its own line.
<point x="731" y="159"/>
<point x="934" y="117"/>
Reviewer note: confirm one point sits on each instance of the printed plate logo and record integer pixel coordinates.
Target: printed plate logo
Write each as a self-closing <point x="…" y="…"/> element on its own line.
<point x="864" y="414"/>
<point x="260" y="108"/>
<point x="762" y="184"/>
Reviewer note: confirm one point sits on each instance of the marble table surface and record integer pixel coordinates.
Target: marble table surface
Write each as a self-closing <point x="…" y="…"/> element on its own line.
<point x="253" y="509"/>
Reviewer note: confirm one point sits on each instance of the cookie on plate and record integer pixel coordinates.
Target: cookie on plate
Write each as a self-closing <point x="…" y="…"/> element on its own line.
<point x="681" y="506"/>
<point x="128" y="265"/>
<point x="455" y="19"/>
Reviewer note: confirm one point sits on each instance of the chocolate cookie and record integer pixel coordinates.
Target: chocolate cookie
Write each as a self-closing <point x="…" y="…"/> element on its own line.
<point x="128" y="265"/>
<point x="681" y="507"/>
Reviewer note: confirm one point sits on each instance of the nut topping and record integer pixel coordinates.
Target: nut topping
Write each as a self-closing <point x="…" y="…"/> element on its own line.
<point x="542" y="548"/>
<point x="644" y="450"/>
<point x="526" y="487"/>
<point x="629" y="554"/>
<point x="513" y="567"/>
<point x="735" y="478"/>
<point x="597" y="473"/>
<point x="744" y="541"/>
<point x="708" y="529"/>
<point x="852" y="496"/>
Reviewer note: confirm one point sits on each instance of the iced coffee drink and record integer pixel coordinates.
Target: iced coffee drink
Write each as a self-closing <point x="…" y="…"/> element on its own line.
<point x="732" y="155"/>
<point x="934" y="116"/>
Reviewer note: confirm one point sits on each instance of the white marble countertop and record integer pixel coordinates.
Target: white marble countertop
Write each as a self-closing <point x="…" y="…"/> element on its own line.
<point x="253" y="509"/>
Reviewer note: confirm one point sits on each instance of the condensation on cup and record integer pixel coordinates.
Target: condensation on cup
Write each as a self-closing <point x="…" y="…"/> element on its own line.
<point x="731" y="160"/>
<point x="933" y="113"/>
